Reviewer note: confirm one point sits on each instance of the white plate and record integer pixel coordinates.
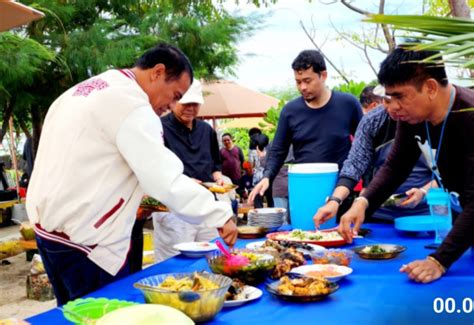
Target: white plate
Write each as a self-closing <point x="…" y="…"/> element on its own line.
<point x="259" y="244"/>
<point x="343" y="270"/>
<point x="250" y="293"/>
<point x="195" y="249"/>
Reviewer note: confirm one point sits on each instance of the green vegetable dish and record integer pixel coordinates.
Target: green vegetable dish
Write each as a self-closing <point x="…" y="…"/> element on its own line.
<point x="375" y="249"/>
<point x="150" y="201"/>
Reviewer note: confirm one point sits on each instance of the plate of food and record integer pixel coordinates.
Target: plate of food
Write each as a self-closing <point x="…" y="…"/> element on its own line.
<point x="379" y="251"/>
<point x="326" y="238"/>
<point x="302" y="289"/>
<point x="195" y="249"/>
<point x="268" y="244"/>
<point x="239" y="294"/>
<point x="330" y="272"/>
<point x="250" y="232"/>
<point x="213" y="187"/>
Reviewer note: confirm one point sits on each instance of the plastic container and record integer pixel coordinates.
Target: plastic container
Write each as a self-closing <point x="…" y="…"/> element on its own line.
<point x="440" y="209"/>
<point x="81" y="310"/>
<point x="308" y="187"/>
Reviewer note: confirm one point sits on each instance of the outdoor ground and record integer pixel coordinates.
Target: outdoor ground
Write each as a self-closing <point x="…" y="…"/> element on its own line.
<point x="13" y="301"/>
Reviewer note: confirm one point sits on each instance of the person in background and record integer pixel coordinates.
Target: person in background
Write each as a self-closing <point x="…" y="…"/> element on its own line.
<point x="232" y="159"/>
<point x="257" y="158"/>
<point x="280" y="185"/>
<point x="318" y="123"/>
<point x="105" y="135"/>
<point x="372" y="144"/>
<point x="432" y="114"/>
<point x="246" y="181"/>
<point x="195" y="143"/>
<point x="368" y="99"/>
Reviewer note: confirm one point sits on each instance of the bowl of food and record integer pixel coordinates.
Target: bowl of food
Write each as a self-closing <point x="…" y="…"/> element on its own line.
<point x="332" y="256"/>
<point x="198" y="295"/>
<point x="255" y="271"/>
<point x="379" y="251"/>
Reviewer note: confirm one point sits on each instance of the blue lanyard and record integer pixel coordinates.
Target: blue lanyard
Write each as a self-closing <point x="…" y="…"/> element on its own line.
<point x="434" y="160"/>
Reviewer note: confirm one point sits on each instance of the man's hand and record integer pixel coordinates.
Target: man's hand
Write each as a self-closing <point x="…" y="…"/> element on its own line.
<point x="324" y="213"/>
<point x="415" y="196"/>
<point x="229" y="232"/>
<point x="424" y="271"/>
<point x="217" y="176"/>
<point x="354" y="216"/>
<point x="260" y="188"/>
<point x="197" y="180"/>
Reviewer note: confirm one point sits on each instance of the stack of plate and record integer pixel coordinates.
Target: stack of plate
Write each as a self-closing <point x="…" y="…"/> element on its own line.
<point x="269" y="218"/>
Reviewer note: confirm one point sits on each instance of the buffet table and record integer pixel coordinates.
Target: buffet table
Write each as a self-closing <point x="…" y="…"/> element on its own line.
<point x="375" y="293"/>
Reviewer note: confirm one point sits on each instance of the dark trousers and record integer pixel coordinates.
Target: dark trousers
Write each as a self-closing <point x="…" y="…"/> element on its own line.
<point x="71" y="273"/>
<point x="136" y="248"/>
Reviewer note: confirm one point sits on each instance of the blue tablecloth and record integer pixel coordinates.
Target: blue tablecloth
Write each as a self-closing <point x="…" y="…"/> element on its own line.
<point x="375" y="293"/>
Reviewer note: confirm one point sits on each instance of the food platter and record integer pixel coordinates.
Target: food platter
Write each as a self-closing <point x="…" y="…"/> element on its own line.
<point x="248" y="293"/>
<point x="251" y="232"/>
<point x="379" y="251"/>
<point x="326" y="238"/>
<point x="273" y="289"/>
<point x="312" y="248"/>
<point x="331" y="272"/>
<point x="220" y="189"/>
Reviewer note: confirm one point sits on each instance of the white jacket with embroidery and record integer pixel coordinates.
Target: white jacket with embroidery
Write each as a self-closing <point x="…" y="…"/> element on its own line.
<point x="101" y="149"/>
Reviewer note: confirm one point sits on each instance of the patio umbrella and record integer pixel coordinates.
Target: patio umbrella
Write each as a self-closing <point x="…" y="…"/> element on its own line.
<point x="226" y="99"/>
<point x="14" y="14"/>
<point x="244" y="122"/>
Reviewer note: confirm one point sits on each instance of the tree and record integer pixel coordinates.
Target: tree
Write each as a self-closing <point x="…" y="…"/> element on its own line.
<point x="91" y="36"/>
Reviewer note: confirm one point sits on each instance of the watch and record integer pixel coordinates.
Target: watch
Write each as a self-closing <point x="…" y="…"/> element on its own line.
<point x="334" y="198"/>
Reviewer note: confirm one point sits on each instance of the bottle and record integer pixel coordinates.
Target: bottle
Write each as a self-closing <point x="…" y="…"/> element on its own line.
<point x="440" y="210"/>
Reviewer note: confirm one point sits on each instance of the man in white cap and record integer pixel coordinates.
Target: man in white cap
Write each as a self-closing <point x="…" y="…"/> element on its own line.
<point x="195" y="143"/>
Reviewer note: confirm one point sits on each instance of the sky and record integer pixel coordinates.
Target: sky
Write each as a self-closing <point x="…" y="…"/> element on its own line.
<point x="265" y="58"/>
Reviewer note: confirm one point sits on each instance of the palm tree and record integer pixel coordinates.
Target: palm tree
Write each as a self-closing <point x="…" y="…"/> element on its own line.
<point x="453" y="37"/>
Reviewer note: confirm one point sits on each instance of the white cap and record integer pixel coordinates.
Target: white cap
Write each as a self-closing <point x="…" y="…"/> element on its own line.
<point x="194" y="94"/>
<point x="379" y="90"/>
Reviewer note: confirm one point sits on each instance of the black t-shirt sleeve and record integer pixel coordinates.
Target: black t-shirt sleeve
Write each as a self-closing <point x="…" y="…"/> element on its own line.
<point x="461" y="235"/>
<point x="279" y="149"/>
<point x="215" y="152"/>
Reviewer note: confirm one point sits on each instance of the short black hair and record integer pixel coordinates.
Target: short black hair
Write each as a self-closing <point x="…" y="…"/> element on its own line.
<point x="227" y="134"/>
<point x="307" y="59"/>
<point x="259" y="141"/>
<point x="254" y="130"/>
<point x="367" y="96"/>
<point x="404" y="66"/>
<point x="175" y="61"/>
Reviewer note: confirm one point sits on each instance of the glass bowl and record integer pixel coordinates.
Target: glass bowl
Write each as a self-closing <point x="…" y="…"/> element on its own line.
<point x="332" y="256"/>
<point x="255" y="272"/>
<point x="200" y="305"/>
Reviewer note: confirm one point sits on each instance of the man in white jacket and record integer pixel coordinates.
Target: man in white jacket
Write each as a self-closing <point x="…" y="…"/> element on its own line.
<point x="100" y="151"/>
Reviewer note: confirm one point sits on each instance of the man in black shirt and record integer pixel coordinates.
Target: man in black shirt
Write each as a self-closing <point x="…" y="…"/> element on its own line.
<point x="318" y="124"/>
<point x="195" y="143"/>
<point x="433" y="115"/>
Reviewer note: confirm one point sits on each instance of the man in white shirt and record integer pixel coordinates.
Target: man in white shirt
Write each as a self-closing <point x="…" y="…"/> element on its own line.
<point x="100" y="151"/>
